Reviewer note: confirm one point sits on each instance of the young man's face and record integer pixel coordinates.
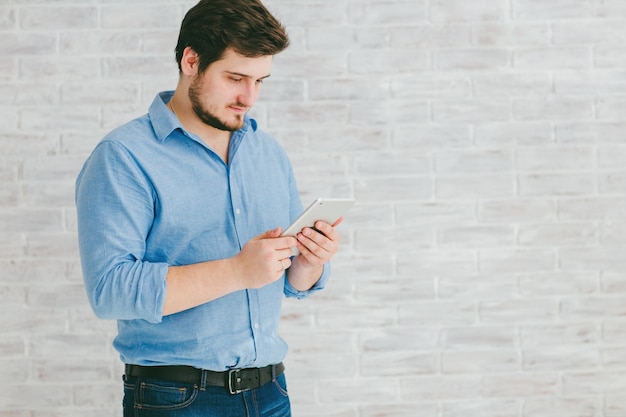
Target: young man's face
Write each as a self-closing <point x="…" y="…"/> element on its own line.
<point x="227" y="89"/>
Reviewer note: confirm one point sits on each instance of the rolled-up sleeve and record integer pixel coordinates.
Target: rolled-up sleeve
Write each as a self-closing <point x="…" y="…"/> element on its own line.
<point x="115" y="209"/>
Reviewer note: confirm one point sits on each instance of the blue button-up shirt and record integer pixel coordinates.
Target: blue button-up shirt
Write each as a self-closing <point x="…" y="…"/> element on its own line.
<point x="152" y="195"/>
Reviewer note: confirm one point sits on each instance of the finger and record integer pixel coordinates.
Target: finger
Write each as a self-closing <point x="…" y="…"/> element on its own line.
<point x="337" y="222"/>
<point x="313" y="241"/>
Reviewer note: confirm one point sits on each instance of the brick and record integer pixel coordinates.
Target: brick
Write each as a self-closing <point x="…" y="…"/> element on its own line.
<point x="408" y="188"/>
<point x="557" y="9"/>
<point x="512" y="133"/>
<point x="474" y="186"/>
<point x="562" y="407"/>
<point x="398" y="364"/>
<point x="521" y="385"/>
<point x="397" y="61"/>
<point x="55" y="69"/>
<point x="472" y="111"/>
<point x="483" y="408"/>
<point x="598" y="307"/>
<point x="591" y="33"/>
<point x="480" y="362"/>
<point x="426" y="213"/>
<point x="76" y="17"/>
<point x="436" y="136"/>
<point x="570" y="334"/>
<point x="7" y="18"/>
<point x="611" y="182"/>
<point x="387" y="13"/>
<point x="470" y="59"/>
<point x="377" y="289"/>
<point x="614" y="332"/>
<point x="610" y="57"/>
<point x="106" y="93"/>
<point x="156" y="42"/>
<point x="516" y="260"/>
<point x="380" y="410"/>
<point x="517" y="210"/>
<point x="455" y="312"/>
<point x="519" y="310"/>
<point x="553" y="58"/>
<point x="590" y="383"/>
<point x="478" y="338"/>
<point x="35" y="396"/>
<point x="608" y="208"/>
<point x="145" y="15"/>
<point x="510" y="34"/>
<point x="475" y="236"/>
<point x="430" y="86"/>
<point x="60" y="370"/>
<point x="430" y="36"/>
<point x="312" y="13"/>
<point x="610" y="107"/>
<point x="386" y="340"/>
<point x="477" y="287"/>
<point x="555" y="158"/>
<point x="100" y="42"/>
<point x="613" y="282"/>
<point x="561" y="235"/>
<point x="438" y="387"/>
<point x="347" y="89"/>
<point x="138" y="67"/>
<point x="560" y="359"/>
<point x="25" y="43"/>
<point x="361" y="391"/>
<point x="511" y="85"/>
<point x="610" y="8"/>
<point x="341" y="38"/>
<point x="388" y="112"/>
<point x="473" y="162"/>
<point x="30" y="220"/>
<point x="590" y="133"/>
<point x="605" y="82"/>
<point x="459" y="10"/>
<point x="419" y="264"/>
<point x="391" y="240"/>
<point x="602" y="258"/>
<point x="316" y="113"/>
<point x="558" y="283"/>
<point x="562" y="184"/>
<point x="553" y="108"/>
<point x="615" y="405"/>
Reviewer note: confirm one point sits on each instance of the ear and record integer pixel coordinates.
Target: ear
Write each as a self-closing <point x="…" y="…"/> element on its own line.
<point x="189" y="62"/>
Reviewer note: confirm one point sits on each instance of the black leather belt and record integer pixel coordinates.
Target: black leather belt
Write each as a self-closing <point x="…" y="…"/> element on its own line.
<point x="234" y="380"/>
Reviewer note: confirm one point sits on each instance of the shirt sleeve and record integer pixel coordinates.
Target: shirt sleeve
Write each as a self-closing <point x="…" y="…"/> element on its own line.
<point x="115" y="211"/>
<point x="295" y="210"/>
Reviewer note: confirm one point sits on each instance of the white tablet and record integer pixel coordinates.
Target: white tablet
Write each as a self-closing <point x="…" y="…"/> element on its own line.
<point x="324" y="209"/>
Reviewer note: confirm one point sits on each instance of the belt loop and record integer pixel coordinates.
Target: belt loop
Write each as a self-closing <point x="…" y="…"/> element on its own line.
<point x="273" y="373"/>
<point x="203" y="380"/>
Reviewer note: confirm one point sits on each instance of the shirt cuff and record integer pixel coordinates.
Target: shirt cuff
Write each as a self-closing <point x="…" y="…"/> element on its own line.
<point x="291" y="292"/>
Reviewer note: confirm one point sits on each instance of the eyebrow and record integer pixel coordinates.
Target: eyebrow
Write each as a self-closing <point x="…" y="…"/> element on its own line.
<point x="245" y="75"/>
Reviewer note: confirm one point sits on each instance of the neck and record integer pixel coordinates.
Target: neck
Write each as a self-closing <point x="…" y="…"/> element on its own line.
<point x="216" y="139"/>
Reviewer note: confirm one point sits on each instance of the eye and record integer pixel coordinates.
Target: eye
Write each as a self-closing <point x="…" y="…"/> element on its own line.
<point x="236" y="79"/>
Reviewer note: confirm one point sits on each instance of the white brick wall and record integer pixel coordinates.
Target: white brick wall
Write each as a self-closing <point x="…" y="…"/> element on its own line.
<point x="483" y="271"/>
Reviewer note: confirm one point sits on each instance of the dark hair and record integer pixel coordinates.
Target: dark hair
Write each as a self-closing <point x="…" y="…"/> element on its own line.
<point x="246" y="26"/>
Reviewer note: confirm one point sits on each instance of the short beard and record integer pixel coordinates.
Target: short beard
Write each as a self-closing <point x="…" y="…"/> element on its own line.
<point x="208" y="118"/>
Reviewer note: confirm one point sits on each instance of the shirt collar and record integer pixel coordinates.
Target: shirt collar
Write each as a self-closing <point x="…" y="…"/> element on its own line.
<point x="164" y="122"/>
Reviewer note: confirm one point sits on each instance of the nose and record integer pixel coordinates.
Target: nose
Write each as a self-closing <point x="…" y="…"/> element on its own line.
<point x="249" y="93"/>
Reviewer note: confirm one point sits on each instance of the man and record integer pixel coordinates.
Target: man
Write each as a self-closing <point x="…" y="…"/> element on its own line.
<point x="180" y="214"/>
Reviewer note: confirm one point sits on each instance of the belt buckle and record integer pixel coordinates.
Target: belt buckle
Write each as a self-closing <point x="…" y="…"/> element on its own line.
<point x="234" y="382"/>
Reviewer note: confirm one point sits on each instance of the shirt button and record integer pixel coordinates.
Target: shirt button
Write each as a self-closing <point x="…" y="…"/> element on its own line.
<point x="237" y="211"/>
<point x="256" y="325"/>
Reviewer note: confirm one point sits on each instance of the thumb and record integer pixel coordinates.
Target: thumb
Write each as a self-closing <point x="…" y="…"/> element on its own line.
<point x="270" y="233"/>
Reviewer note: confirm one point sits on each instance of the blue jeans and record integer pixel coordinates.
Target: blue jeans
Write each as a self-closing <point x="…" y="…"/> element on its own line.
<point x="145" y="397"/>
